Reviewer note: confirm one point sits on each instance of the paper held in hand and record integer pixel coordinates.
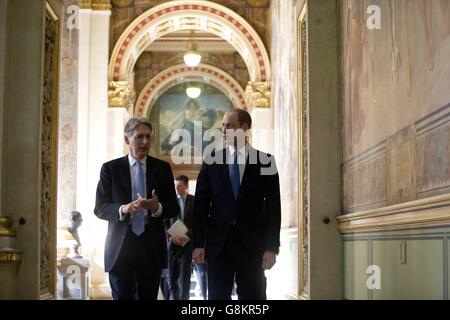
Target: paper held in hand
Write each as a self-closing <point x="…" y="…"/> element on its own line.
<point x="177" y="229"/>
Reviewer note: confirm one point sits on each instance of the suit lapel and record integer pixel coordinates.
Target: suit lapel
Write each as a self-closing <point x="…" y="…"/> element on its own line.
<point x="150" y="176"/>
<point x="126" y="176"/>
<point x="249" y="173"/>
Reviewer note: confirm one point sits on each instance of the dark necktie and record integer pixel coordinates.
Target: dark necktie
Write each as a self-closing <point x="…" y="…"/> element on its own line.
<point x="138" y="223"/>
<point x="235" y="176"/>
<point x="181" y="201"/>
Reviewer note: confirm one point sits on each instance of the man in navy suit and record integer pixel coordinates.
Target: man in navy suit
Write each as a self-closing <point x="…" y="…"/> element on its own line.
<point x="180" y="246"/>
<point x="135" y="193"/>
<point x="237" y="214"/>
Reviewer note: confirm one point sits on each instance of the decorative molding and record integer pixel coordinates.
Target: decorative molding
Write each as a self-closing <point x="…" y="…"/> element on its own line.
<point x="101" y="5"/>
<point x="303" y="156"/>
<point x="10" y="257"/>
<point x="217" y="45"/>
<point x="121" y="94"/>
<point x="179" y="73"/>
<point x="86" y="4"/>
<point x="258" y="95"/>
<point x="423" y="213"/>
<point x="48" y="158"/>
<point x="179" y="15"/>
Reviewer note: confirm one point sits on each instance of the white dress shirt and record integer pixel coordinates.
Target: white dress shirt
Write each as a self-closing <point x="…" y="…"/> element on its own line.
<point x="132" y="162"/>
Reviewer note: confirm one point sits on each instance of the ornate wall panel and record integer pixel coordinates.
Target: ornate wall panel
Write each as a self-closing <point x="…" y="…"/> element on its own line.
<point x="433" y="154"/>
<point x="48" y="157"/>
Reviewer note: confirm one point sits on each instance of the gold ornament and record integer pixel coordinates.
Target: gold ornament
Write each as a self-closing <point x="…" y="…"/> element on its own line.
<point x="121" y="94"/>
<point x="258" y="94"/>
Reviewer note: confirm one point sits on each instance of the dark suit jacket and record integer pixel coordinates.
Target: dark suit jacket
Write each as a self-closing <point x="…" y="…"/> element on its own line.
<point x="114" y="190"/>
<point x="256" y="211"/>
<point x="188" y="221"/>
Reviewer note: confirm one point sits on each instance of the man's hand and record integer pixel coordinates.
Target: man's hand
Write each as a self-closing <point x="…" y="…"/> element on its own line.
<point x="198" y="255"/>
<point x="149" y="204"/>
<point x="179" y="240"/>
<point x="269" y="259"/>
<point x="131" y="207"/>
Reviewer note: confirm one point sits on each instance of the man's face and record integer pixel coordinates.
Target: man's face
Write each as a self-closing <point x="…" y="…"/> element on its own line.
<point x="232" y="130"/>
<point x="181" y="188"/>
<point x="139" y="142"/>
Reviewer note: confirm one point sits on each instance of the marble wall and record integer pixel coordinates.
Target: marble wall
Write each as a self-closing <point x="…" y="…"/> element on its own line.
<point x="285" y="114"/>
<point x="68" y="115"/>
<point x="396" y="103"/>
<point x="285" y="105"/>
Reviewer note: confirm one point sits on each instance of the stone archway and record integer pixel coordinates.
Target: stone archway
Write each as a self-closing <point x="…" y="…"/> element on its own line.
<point x="189" y="14"/>
<point x="181" y="73"/>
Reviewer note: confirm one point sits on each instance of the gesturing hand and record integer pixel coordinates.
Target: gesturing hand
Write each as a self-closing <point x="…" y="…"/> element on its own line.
<point x="131" y="207"/>
<point x="151" y="204"/>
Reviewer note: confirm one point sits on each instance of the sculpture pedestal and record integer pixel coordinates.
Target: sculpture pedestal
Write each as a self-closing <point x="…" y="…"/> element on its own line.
<point x="73" y="279"/>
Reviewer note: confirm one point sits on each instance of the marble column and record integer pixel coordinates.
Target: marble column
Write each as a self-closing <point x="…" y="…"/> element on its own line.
<point x="96" y="138"/>
<point x="284" y="277"/>
<point x="67" y="118"/>
<point x="84" y="52"/>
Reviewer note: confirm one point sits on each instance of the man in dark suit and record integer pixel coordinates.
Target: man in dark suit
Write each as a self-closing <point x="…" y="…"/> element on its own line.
<point x="180" y="247"/>
<point x="135" y="193"/>
<point x="237" y="214"/>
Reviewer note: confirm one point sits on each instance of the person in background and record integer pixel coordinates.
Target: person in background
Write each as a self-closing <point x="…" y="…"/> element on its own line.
<point x="180" y="247"/>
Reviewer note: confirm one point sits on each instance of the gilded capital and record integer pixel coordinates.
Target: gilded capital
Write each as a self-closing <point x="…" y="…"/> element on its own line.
<point x="101" y="4"/>
<point x="258" y="94"/>
<point x="121" y="94"/>
<point x="86" y="4"/>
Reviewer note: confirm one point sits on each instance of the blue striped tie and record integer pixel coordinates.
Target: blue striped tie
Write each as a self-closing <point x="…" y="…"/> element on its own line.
<point x="138" y="223"/>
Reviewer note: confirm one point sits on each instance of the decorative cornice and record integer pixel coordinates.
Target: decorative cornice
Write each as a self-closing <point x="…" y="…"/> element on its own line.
<point x="101" y="5"/>
<point x="423" y="213"/>
<point x="86" y="4"/>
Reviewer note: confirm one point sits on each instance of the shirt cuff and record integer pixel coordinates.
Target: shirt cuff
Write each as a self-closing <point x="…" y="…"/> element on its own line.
<point x="158" y="212"/>
<point x="121" y="215"/>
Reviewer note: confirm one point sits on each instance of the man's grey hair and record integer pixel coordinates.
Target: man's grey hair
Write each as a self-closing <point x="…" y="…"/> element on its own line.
<point x="133" y="123"/>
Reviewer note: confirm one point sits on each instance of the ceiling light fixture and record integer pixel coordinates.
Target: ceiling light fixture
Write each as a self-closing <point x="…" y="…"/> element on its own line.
<point x="192" y="58"/>
<point x="193" y="92"/>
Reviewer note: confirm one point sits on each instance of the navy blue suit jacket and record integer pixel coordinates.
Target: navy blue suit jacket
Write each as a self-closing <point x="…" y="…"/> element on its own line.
<point x="114" y="190"/>
<point x="256" y="211"/>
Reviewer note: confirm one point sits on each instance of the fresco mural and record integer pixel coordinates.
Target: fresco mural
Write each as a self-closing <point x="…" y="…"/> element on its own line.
<point x="174" y="110"/>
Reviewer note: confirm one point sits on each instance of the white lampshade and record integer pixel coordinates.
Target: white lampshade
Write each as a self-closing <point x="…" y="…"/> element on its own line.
<point x="192" y="59"/>
<point x="193" y="92"/>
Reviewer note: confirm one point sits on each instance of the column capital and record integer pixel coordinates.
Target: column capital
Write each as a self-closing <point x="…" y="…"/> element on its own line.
<point x="258" y="94"/>
<point x="121" y="94"/>
<point x="101" y="4"/>
<point x="86" y="4"/>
